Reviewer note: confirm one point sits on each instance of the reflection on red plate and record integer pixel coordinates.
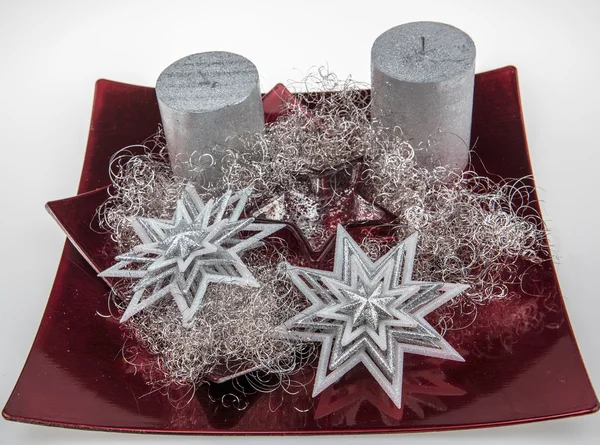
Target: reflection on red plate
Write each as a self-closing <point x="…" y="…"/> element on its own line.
<point x="75" y="376"/>
<point x="424" y="390"/>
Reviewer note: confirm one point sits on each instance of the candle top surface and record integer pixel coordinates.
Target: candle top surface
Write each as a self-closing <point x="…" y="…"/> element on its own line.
<point x="207" y="81"/>
<point x="424" y="52"/>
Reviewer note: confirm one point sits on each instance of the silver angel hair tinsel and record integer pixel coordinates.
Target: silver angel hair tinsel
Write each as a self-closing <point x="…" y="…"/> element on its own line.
<point x="471" y="230"/>
<point x="142" y="185"/>
<point x="325" y="132"/>
<point x="231" y="336"/>
<point x="470" y="227"/>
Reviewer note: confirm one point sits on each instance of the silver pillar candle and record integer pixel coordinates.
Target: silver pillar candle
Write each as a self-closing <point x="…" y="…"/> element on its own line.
<point x="206" y="102"/>
<point x="422" y="78"/>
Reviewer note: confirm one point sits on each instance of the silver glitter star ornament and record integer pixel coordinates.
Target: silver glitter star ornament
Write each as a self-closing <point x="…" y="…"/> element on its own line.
<point x="202" y="244"/>
<point x="369" y="312"/>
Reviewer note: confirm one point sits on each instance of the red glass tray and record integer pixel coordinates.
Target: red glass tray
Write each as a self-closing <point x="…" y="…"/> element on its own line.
<point x="75" y="376"/>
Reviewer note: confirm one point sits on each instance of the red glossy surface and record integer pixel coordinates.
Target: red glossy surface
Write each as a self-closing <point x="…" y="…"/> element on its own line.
<point x="74" y="375"/>
<point x="278" y="102"/>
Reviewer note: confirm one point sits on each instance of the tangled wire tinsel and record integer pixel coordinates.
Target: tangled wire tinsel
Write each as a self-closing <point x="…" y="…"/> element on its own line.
<point x="472" y="230"/>
<point x="233" y="333"/>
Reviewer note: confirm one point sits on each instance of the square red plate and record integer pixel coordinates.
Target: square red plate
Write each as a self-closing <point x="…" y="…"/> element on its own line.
<point x="75" y="376"/>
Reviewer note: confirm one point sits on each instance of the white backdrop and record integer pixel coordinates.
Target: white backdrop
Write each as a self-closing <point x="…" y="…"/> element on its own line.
<point x="51" y="53"/>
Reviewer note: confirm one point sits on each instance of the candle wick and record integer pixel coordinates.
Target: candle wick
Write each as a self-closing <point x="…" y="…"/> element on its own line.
<point x="423" y="45"/>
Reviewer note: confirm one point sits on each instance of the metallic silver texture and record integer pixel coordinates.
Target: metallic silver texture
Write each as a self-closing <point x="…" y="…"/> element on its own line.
<point x="201" y="244"/>
<point x="422" y="77"/>
<point x="206" y="102"/>
<point x="369" y="312"/>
